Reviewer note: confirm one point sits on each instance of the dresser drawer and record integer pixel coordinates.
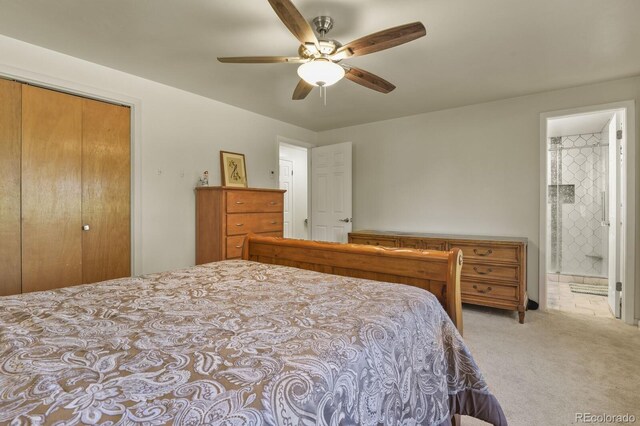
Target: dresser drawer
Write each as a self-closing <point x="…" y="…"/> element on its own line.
<point x="422" y="244"/>
<point x="488" y="252"/>
<point x="234" y="244"/>
<point x="254" y="201"/>
<point x="434" y="245"/>
<point x="489" y="291"/>
<point x="374" y="241"/>
<point x="491" y="271"/>
<point x="243" y="223"/>
<point x="411" y="243"/>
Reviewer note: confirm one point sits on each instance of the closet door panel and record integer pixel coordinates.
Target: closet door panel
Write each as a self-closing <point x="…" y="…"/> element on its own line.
<point x="10" y="140"/>
<point x="51" y="189"/>
<point x="106" y="191"/>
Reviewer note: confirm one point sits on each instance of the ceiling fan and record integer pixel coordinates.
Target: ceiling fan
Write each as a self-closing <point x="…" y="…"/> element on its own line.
<point x="321" y="57"/>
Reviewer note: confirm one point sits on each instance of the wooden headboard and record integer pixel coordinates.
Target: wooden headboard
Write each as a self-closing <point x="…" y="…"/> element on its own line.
<point x="435" y="271"/>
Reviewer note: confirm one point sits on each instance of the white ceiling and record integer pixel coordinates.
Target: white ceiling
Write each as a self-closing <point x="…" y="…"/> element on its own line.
<point x="474" y="51"/>
<point x="578" y="124"/>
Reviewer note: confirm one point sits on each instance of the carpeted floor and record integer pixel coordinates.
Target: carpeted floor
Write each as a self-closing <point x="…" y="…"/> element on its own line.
<point x="555" y="365"/>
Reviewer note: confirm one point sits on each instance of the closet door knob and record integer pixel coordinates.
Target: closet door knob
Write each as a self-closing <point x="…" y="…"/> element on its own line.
<point x="85" y="227"/>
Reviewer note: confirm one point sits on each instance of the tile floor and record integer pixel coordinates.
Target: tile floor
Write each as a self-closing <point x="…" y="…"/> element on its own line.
<point x="560" y="297"/>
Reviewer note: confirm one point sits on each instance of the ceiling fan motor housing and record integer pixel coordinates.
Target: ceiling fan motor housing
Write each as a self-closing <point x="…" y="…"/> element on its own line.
<point x="323" y="24"/>
<point x="324" y="48"/>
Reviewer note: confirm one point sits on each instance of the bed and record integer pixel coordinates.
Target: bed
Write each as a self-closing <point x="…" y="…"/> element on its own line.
<point x="295" y="333"/>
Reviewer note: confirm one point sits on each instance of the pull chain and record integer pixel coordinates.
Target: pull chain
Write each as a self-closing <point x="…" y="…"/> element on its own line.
<point x="323" y="93"/>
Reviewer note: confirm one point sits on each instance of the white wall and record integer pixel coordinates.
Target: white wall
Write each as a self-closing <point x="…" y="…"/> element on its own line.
<point x="178" y="136"/>
<point x="474" y="169"/>
<point x="298" y="156"/>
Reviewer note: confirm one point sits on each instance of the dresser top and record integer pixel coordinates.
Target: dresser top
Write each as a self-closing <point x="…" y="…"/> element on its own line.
<point x="232" y="188"/>
<point x="522" y="240"/>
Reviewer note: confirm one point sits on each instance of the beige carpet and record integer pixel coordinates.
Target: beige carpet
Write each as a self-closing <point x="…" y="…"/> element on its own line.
<point x="555" y="364"/>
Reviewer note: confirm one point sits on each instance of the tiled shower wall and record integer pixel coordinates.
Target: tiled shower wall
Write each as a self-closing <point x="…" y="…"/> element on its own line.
<point x="577" y="165"/>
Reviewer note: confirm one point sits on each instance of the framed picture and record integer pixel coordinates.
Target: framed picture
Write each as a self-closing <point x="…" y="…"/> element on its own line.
<point x="234" y="169"/>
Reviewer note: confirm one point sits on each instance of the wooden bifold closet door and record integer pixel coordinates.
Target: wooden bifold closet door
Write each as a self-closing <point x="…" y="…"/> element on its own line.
<point x="10" y="128"/>
<point x="51" y="189"/>
<point x="106" y="194"/>
<point x="70" y="186"/>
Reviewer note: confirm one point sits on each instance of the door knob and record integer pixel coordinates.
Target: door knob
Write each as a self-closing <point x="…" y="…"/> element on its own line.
<point x="85" y="227"/>
<point x="346" y="219"/>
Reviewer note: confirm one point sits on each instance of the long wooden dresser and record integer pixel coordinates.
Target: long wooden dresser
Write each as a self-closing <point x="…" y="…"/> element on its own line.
<point x="494" y="269"/>
<point x="225" y="215"/>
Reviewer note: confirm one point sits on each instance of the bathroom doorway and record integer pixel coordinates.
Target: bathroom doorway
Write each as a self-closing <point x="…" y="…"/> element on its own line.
<point x="585" y="207"/>
<point x="293" y="177"/>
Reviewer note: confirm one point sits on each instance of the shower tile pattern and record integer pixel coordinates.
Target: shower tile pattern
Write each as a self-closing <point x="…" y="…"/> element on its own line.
<point x="577" y="231"/>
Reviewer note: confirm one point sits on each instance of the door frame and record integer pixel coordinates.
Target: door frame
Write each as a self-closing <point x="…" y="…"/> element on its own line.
<point x="65" y="86"/>
<point x="629" y="192"/>
<point x="294" y="143"/>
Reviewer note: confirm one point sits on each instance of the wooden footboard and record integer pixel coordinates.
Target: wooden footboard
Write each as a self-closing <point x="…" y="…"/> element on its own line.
<point x="435" y="271"/>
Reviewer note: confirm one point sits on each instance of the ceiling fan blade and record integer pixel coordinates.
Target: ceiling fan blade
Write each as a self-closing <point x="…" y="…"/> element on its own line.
<point x="263" y="59"/>
<point x="368" y="80"/>
<point x="293" y="19"/>
<point x="381" y="40"/>
<point x="302" y="90"/>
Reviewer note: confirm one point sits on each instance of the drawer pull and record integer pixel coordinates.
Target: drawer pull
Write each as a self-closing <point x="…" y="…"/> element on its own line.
<point x="479" y="272"/>
<point x="274" y="222"/>
<point x="482" y="291"/>
<point x="239" y="202"/>
<point x="238" y="246"/>
<point x="486" y="253"/>
<point x="272" y="203"/>
<point x="239" y="224"/>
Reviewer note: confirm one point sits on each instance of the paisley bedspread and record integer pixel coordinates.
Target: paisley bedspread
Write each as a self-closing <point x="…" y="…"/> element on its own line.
<point x="236" y="343"/>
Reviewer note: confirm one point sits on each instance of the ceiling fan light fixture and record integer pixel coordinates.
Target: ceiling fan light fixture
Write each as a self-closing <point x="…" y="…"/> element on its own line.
<point x="321" y="72"/>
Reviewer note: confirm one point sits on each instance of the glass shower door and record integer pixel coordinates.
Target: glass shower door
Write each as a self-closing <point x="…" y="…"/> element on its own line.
<point x="577" y="213"/>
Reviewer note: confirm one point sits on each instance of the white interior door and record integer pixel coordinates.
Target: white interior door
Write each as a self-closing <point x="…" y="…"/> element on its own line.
<point x="331" y="192"/>
<point x="614" y="217"/>
<point x="613" y="212"/>
<point x="286" y="183"/>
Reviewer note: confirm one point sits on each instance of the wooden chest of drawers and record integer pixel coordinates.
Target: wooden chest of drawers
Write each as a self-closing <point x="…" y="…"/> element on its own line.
<point x="225" y="215"/>
<point x="494" y="269"/>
